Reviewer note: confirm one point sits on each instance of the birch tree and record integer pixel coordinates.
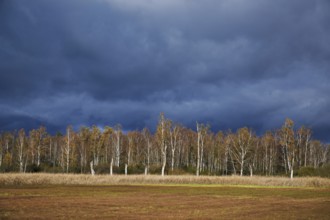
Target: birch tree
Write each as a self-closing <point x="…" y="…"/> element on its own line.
<point x="230" y="147"/>
<point x="7" y="143"/>
<point x="21" y="143"/>
<point x="32" y="145"/>
<point x="174" y="140"/>
<point x="318" y="153"/>
<point x="96" y="142"/>
<point x="117" y="132"/>
<point x="162" y="136"/>
<point x="131" y="137"/>
<point x="304" y="138"/>
<point x="268" y="142"/>
<point x="84" y="136"/>
<point x="106" y="136"/>
<point x="148" y="142"/>
<point x="221" y="153"/>
<point x="41" y="133"/>
<point x="67" y="147"/>
<point x="242" y="143"/>
<point x="199" y="134"/>
<point x="287" y="142"/>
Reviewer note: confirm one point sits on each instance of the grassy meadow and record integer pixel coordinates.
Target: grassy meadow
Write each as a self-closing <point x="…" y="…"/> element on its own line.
<point x="62" y="196"/>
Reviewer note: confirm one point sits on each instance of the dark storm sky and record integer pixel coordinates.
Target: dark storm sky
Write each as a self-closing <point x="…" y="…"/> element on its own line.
<point x="231" y="63"/>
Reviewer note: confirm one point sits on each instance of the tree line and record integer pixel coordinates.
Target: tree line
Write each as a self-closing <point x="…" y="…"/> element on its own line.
<point x="171" y="149"/>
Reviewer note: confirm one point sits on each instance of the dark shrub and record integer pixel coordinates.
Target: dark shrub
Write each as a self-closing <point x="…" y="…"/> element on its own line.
<point x="307" y="171"/>
<point x="33" y="168"/>
<point x="324" y="171"/>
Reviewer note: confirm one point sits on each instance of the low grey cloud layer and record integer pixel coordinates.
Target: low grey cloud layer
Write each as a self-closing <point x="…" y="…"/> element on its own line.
<point x="231" y="63"/>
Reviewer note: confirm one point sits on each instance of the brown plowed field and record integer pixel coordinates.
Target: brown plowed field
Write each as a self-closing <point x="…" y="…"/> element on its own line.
<point x="162" y="202"/>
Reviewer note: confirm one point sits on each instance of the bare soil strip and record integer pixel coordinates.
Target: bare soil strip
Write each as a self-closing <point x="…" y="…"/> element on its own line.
<point x="162" y="202"/>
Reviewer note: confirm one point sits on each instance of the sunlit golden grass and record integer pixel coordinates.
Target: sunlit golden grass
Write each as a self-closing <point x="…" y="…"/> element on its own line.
<point x="84" y="179"/>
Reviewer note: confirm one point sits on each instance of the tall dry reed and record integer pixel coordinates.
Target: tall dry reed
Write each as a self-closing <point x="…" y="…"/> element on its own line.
<point x="84" y="179"/>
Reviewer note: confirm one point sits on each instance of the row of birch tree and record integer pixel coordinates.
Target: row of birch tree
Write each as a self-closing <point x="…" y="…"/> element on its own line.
<point x="171" y="149"/>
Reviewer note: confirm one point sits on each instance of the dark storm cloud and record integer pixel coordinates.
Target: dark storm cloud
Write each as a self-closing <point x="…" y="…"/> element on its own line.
<point x="231" y="63"/>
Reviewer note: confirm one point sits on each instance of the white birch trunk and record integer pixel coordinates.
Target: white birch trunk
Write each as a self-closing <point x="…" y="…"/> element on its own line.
<point x="38" y="154"/>
<point x="164" y="146"/>
<point x="92" y="168"/>
<point x="68" y="151"/>
<point x="148" y="157"/>
<point x="291" y="167"/>
<point x="201" y="164"/>
<point x="25" y="164"/>
<point x="172" y="162"/>
<point x="129" y="156"/>
<point x="20" y="150"/>
<point x="117" y="150"/>
<point x="164" y="160"/>
<point x="111" y="167"/>
<point x="242" y="165"/>
<point x="198" y="149"/>
<point x="174" y="137"/>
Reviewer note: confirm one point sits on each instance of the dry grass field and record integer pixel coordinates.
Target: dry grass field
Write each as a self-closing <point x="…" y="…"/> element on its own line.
<point x="47" y="196"/>
<point x="85" y="179"/>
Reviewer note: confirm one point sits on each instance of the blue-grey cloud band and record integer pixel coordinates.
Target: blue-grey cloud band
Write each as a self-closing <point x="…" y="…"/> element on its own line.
<point x="230" y="63"/>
